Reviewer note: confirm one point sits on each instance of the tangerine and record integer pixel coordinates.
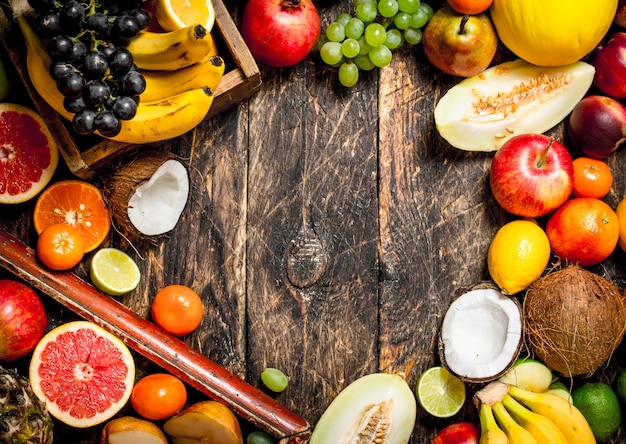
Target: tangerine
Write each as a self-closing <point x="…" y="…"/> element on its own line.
<point x="592" y="177"/>
<point x="60" y="247"/>
<point x="158" y="396"/>
<point x="621" y="217"/>
<point x="76" y="203"/>
<point x="177" y="309"/>
<point x="470" y="7"/>
<point x="584" y="230"/>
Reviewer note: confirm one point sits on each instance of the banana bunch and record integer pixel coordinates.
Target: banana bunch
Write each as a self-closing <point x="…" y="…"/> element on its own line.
<point x="181" y="69"/>
<point x="511" y="414"/>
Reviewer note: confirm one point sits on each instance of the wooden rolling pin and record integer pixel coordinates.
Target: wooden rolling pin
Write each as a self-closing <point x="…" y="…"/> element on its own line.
<point x="155" y="344"/>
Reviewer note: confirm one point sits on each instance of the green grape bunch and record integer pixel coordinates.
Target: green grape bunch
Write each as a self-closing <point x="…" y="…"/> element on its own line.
<point x="366" y="39"/>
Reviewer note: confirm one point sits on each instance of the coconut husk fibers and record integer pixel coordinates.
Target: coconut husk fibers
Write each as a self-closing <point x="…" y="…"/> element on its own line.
<point x="574" y="320"/>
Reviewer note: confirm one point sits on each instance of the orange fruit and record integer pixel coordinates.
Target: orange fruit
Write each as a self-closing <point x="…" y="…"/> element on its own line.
<point x="60" y="247"/>
<point x="470" y="7"/>
<point x="592" y="177"/>
<point x="584" y="230"/>
<point x="28" y="154"/>
<point x="77" y="203"/>
<point x="177" y="309"/>
<point x="621" y="217"/>
<point x="158" y="396"/>
<point x="82" y="372"/>
<point x="177" y="14"/>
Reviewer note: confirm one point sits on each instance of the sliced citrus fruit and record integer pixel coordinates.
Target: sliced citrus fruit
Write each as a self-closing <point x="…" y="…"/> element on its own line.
<point x="114" y="272"/>
<point x="440" y="393"/>
<point x="83" y="373"/>
<point x="77" y="203"/>
<point x="28" y="154"/>
<point x="176" y="14"/>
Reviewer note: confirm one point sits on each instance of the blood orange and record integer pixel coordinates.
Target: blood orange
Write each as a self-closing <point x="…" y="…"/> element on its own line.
<point x="28" y="154"/>
<point x="83" y="373"/>
<point x="77" y="203"/>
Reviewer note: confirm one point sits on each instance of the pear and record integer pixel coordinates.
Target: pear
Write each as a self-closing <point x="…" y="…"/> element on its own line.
<point x="131" y="430"/>
<point x="205" y="422"/>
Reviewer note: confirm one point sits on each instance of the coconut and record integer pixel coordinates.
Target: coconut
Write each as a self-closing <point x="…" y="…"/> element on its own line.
<point x="574" y="320"/>
<point x="481" y="334"/>
<point x="148" y="194"/>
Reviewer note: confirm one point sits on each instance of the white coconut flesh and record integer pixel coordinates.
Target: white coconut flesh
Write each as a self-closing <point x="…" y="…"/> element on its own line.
<point x="481" y="334"/>
<point x="156" y="205"/>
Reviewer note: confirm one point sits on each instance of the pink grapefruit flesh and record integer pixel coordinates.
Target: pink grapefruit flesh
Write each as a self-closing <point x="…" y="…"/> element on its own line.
<point x="84" y="374"/>
<point x="28" y="154"/>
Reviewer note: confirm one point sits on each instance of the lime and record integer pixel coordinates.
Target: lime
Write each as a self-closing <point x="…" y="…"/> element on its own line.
<point x="114" y="272"/>
<point x="599" y="405"/>
<point x="620" y="386"/>
<point x="440" y="393"/>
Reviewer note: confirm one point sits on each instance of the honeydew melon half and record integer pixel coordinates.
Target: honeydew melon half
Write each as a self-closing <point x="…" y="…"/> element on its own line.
<point x="482" y="112"/>
<point x="379" y="407"/>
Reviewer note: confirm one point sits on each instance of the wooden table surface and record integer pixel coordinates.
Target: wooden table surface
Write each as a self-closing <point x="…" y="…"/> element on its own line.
<point x="326" y="230"/>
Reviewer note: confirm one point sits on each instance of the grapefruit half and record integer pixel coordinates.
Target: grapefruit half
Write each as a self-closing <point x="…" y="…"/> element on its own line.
<point x="28" y="154"/>
<point x="83" y="373"/>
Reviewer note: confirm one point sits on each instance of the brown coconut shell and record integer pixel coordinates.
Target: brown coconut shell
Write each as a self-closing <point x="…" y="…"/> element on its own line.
<point x="574" y="320"/>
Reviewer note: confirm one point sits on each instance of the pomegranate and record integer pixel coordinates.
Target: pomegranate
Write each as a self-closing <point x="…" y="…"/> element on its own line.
<point x="22" y="320"/>
<point x="610" y="63"/>
<point x="280" y="33"/>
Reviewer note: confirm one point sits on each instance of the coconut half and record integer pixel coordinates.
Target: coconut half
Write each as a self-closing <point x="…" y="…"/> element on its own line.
<point x="481" y="335"/>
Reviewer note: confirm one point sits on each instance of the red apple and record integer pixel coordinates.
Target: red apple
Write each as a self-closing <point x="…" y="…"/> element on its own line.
<point x="280" y="33"/>
<point x="22" y="320"/>
<point x="610" y="63"/>
<point x="531" y="175"/>
<point x="459" y="433"/>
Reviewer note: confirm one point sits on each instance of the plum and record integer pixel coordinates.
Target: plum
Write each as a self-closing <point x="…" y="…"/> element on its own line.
<point x="610" y="63"/>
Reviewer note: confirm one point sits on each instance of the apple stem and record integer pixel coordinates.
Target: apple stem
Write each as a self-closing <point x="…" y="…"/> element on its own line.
<point x="542" y="159"/>
<point x="464" y="20"/>
<point x="291" y="3"/>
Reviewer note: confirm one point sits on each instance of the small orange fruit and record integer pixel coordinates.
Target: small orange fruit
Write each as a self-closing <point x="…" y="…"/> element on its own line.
<point x="470" y="7"/>
<point x="60" y="247"/>
<point x="592" y="177"/>
<point x="584" y="230"/>
<point x="621" y="217"/>
<point x="158" y="396"/>
<point x="177" y="309"/>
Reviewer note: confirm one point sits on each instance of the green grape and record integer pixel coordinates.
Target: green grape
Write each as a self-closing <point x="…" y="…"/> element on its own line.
<point x="366" y="12"/>
<point x="259" y="437"/>
<point x="335" y="32"/>
<point x="348" y="74"/>
<point x="321" y="41"/>
<point x="427" y="9"/>
<point x="375" y="34"/>
<point x="413" y="36"/>
<point x="408" y="6"/>
<point x="402" y="20"/>
<point x="331" y="53"/>
<point x="388" y="8"/>
<point x="364" y="62"/>
<point x="354" y="28"/>
<point x="343" y="18"/>
<point x="274" y="379"/>
<point x="365" y="47"/>
<point x="380" y="56"/>
<point x="394" y="39"/>
<point x="350" y="48"/>
<point x="419" y="19"/>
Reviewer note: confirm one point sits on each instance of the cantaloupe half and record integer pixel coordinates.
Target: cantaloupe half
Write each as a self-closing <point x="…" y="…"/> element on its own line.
<point x="483" y="111"/>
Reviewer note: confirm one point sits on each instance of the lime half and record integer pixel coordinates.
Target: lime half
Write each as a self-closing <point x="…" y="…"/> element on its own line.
<point x="440" y="393"/>
<point x="114" y="272"/>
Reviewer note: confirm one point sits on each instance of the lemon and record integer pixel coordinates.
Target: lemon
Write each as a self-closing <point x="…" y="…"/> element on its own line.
<point x="177" y="14"/>
<point x="114" y="272"/>
<point x="518" y="255"/>
<point x="621" y="218"/>
<point x="439" y="392"/>
<point x="600" y="406"/>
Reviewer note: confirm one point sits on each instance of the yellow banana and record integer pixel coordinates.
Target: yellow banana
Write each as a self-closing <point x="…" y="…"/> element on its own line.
<point x="543" y="429"/>
<point x="162" y="84"/>
<point x="515" y="433"/>
<point x="490" y="433"/>
<point x="564" y="415"/>
<point x="171" y="50"/>
<point x="167" y="118"/>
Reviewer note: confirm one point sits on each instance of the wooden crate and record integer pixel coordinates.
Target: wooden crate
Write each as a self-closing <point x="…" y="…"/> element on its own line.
<point x="85" y="155"/>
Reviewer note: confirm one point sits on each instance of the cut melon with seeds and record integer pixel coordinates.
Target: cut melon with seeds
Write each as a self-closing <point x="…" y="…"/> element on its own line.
<point x="483" y="111"/>
<point x="114" y="272"/>
<point x="177" y="14"/>
<point x="28" y="154"/>
<point x="83" y="373"/>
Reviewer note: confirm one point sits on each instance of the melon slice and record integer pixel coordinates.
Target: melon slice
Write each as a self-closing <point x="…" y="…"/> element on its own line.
<point x="483" y="111"/>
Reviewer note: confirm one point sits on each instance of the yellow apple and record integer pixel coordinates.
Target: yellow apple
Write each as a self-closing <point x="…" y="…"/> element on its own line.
<point x="206" y="422"/>
<point x="130" y="430"/>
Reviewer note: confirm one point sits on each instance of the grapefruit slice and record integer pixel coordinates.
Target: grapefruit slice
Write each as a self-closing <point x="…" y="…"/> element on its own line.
<point x="28" y="154"/>
<point x="77" y="203"/>
<point x="83" y="373"/>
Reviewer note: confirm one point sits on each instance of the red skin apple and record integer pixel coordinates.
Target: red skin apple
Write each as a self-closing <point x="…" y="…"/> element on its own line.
<point x="531" y="175"/>
<point x="280" y="33"/>
<point x="459" y="433"/>
<point x="610" y="63"/>
<point x="22" y="320"/>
